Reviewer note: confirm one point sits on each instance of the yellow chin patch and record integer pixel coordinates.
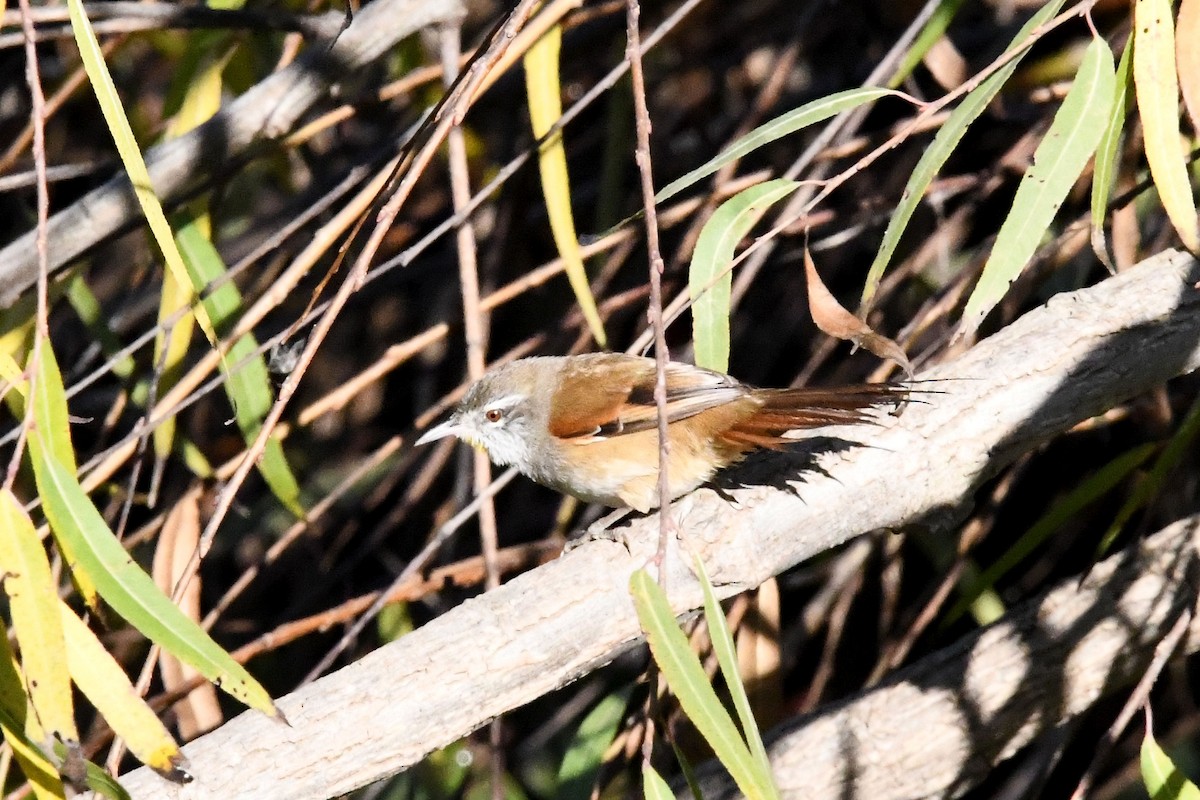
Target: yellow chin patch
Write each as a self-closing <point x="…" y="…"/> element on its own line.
<point x="473" y="441"/>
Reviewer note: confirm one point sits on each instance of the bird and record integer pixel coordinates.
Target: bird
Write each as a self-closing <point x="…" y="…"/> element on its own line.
<point x="587" y="425"/>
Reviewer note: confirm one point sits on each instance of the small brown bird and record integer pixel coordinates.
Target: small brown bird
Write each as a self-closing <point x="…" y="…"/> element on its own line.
<point x="588" y="426"/>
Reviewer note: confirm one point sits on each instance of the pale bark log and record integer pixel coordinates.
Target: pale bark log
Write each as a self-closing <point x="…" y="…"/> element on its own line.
<point x="1082" y="353"/>
<point x="937" y="728"/>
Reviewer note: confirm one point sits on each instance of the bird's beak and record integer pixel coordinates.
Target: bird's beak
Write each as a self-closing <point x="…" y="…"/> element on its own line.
<point x="450" y="427"/>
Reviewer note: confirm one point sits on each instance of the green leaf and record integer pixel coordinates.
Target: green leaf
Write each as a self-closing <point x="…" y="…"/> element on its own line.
<point x="248" y="384"/>
<point x="710" y="277"/>
<point x="127" y="148"/>
<point x="545" y="107"/>
<point x="726" y="652"/>
<point x="80" y="530"/>
<point x="808" y="114"/>
<point x="1180" y="444"/>
<point x="104" y="683"/>
<point x="1163" y="779"/>
<point x="88" y="309"/>
<point x="1105" y="167"/>
<point x="653" y="785"/>
<point x="947" y="138"/>
<point x="50" y="440"/>
<point x="687" y="680"/>
<point x="33" y="607"/>
<point x="1157" y="87"/>
<point x="1058" y="162"/>
<point x="585" y="753"/>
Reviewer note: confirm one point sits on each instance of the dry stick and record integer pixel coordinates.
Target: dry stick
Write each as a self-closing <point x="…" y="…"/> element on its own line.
<point x="475" y="320"/>
<point x="42" y="328"/>
<point x="655" y="313"/>
<point x="633" y="55"/>
<point x="77" y="78"/>
<point x="475" y="326"/>
<point x="265" y="112"/>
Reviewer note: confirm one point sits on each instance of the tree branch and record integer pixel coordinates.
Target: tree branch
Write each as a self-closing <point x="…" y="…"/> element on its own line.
<point x="1079" y="355"/>
<point x="937" y="728"/>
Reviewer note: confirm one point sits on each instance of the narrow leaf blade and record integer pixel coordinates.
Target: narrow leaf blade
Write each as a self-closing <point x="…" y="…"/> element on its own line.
<point x="1059" y="160"/>
<point x="1157" y="90"/>
<point x="710" y="278"/>
<point x="947" y="138"/>
<point x="33" y="607"/>
<point x="101" y="679"/>
<point x="688" y="681"/>
<point x="797" y="119"/>
<point x="545" y="107"/>
<point x="130" y="592"/>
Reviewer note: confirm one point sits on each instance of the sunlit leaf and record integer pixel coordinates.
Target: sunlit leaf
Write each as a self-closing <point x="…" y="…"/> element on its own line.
<point x="1058" y="162"/>
<point x="50" y="440"/>
<point x="33" y="607"/>
<point x="797" y="119"/>
<point x="710" y="278"/>
<point x="947" y="138"/>
<point x="1157" y="90"/>
<point x="834" y="320"/>
<point x="1187" y="57"/>
<point x="545" y="108"/>
<point x="127" y="147"/>
<point x="688" y="681"/>
<point x="1162" y="778"/>
<point x="130" y="591"/>
<point x="103" y="681"/>
<point x="653" y="785"/>
<point x="37" y="766"/>
<point x="726" y="653"/>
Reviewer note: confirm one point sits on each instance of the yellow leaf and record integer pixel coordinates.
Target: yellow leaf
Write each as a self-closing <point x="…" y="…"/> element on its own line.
<point x="16" y="723"/>
<point x="33" y="607"/>
<point x="1187" y="57"/>
<point x="545" y="107"/>
<point x="104" y="683"/>
<point x="1157" y="91"/>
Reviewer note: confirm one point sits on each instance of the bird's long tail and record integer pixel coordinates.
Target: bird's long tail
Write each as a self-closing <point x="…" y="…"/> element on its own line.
<point x="785" y="410"/>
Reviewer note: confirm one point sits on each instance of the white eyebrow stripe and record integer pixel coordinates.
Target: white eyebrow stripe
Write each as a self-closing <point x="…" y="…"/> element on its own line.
<point x="505" y="402"/>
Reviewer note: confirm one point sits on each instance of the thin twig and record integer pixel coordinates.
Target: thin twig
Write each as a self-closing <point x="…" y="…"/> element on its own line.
<point x="411" y="569"/>
<point x="633" y="54"/>
<point x="42" y="330"/>
<point x="475" y="324"/>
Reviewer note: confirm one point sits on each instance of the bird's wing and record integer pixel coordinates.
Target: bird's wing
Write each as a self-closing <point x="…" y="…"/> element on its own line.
<point x="613" y="395"/>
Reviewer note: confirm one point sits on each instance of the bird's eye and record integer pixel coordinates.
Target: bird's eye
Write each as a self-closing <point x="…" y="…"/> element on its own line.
<point x="493" y="415"/>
